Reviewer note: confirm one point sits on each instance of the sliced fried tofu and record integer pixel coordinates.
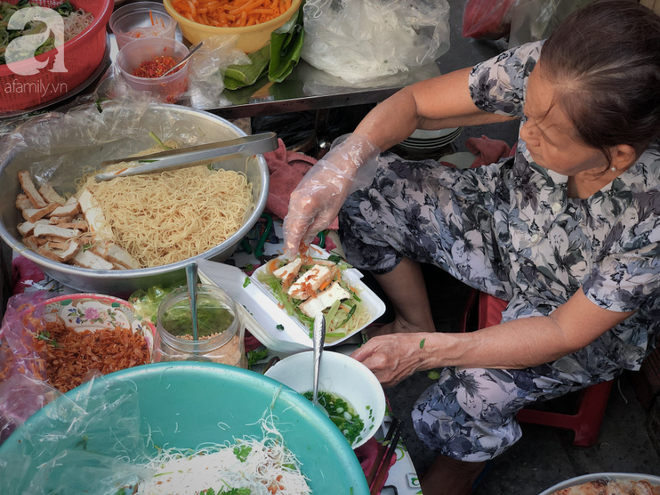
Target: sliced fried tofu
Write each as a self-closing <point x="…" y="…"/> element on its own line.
<point x="315" y="306"/>
<point x="289" y="269"/>
<point x="59" y="220"/>
<point x="26" y="229"/>
<point x="50" y="195"/>
<point x="30" y="189"/>
<point x="23" y="202"/>
<point x="34" y="214"/>
<point x="309" y="282"/>
<point x="71" y="201"/>
<point x="94" y="216"/>
<point x="59" y="251"/>
<point x="87" y="259"/>
<point x="65" y="211"/>
<point x="116" y="255"/>
<point x="82" y="226"/>
<point x="31" y="242"/>
<point x="53" y="231"/>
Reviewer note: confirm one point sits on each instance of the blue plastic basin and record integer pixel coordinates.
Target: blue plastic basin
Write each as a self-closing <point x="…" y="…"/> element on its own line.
<point x="185" y="404"/>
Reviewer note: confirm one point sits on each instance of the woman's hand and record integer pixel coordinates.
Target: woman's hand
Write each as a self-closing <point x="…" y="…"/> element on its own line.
<point x="314" y="204"/>
<point x="393" y="358"/>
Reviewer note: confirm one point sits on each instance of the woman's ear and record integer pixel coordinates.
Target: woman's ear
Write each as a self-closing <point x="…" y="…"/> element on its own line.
<point x="623" y="156"/>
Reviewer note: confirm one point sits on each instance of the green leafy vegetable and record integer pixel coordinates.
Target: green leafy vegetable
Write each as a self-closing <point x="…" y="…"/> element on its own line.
<point x="280" y="326"/>
<point x="335" y="258"/>
<point x="239" y="76"/>
<point x="242" y="452"/>
<point x="247" y="282"/>
<point x="65" y="8"/>
<point x="286" y="45"/>
<point x="255" y="356"/>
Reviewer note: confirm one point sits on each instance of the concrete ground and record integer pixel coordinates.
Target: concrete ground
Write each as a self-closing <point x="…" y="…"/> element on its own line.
<point x="544" y="456"/>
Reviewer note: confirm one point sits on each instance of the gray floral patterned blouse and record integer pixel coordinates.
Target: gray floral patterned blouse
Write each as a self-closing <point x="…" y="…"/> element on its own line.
<point x="550" y="245"/>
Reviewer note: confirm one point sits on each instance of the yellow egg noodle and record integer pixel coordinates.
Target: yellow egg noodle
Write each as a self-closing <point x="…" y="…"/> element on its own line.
<point x="171" y="216"/>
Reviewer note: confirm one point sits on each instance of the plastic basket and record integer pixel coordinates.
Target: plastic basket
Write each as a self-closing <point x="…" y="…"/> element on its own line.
<point x="82" y="56"/>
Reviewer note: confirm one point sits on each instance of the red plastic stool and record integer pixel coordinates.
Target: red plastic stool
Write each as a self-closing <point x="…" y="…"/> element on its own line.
<point x="592" y="400"/>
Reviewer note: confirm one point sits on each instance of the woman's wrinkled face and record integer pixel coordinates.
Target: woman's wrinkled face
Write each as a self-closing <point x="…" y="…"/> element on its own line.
<point x="549" y="134"/>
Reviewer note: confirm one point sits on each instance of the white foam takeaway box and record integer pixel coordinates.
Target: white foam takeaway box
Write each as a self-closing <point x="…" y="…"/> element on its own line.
<point x="263" y="317"/>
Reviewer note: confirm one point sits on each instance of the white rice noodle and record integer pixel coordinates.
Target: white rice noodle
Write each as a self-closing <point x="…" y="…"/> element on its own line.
<point x="76" y="23"/>
<point x="269" y="468"/>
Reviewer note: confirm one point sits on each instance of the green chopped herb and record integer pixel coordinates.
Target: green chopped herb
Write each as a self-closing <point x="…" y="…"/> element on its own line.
<point x="249" y="267"/>
<point x="235" y="491"/>
<point x="280" y="326"/>
<point x="242" y="452"/>
<point x="342" y="414"/>
<point x="421" y="344"/>
<point x="158" y="141"/>
<point x="87" y="247"/>
<point x="433" y="375"/>
<point x="247" y="282"/>
<point x="334" y="258"/>
<point x="147" y="161"/>
<point x="43" y="335"/>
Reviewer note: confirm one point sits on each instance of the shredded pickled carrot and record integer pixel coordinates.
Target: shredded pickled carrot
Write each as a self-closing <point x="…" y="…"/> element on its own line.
<point x="151" y="16"/>
<point x="231" y="13"/>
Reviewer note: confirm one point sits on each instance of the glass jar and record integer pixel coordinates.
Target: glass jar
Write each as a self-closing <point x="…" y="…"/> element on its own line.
<point x="220" y="330"/>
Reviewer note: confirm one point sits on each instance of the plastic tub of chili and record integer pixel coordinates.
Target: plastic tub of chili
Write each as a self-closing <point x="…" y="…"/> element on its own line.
<point x="42" y="78"/>
<point x="143" y="61"/>
<point x="141" y="20"/>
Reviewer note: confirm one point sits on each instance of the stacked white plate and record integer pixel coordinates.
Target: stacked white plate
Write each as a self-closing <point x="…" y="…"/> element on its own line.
<point x="429" y="140"/>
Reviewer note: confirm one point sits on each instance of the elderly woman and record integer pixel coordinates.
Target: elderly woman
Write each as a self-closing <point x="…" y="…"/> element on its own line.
<point x="567" y="231"/>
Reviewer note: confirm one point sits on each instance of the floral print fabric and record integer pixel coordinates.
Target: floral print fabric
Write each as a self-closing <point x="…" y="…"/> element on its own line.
<point x="510" y="230"/>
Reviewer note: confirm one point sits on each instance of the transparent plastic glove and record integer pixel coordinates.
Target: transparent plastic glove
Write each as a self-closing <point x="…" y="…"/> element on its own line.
<point x="349" y="165"/>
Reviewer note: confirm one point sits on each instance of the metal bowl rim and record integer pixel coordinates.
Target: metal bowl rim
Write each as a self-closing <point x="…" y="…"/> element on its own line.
<point x="578" y="480"/>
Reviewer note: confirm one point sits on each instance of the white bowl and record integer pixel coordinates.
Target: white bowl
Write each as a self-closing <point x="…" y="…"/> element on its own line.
<point x="342" y="376"/>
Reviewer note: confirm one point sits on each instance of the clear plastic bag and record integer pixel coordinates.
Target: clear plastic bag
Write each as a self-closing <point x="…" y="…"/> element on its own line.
<point x="23" y="390"/>
<point x="69" y="445"/>
<point x="359" y="40"/>
<point x="206" y="70"/>
<point x="534" y="20"/>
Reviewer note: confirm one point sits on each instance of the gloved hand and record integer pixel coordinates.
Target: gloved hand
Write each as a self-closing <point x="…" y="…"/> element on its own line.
<point x="349" y="165"/>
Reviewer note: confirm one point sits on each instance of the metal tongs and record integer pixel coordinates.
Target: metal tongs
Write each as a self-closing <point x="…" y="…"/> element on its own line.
<point x="256" y="144"/>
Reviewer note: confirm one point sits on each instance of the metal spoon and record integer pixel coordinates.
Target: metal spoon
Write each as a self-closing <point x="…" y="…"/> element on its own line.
<point x="191" y="277"/>
<point x="184" y="59"/>
<point x="318" y="338"/>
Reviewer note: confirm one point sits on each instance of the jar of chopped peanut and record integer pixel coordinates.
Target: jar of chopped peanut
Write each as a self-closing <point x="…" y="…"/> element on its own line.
<point x="220" y="332"/>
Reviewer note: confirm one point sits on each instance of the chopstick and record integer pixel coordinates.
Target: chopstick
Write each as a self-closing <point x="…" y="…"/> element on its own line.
<point x="381" y="451"/>
<point x="380" y="469"/>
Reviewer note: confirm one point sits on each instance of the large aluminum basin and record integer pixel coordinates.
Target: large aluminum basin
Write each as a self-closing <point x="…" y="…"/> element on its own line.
<point x="68" y="155"/>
